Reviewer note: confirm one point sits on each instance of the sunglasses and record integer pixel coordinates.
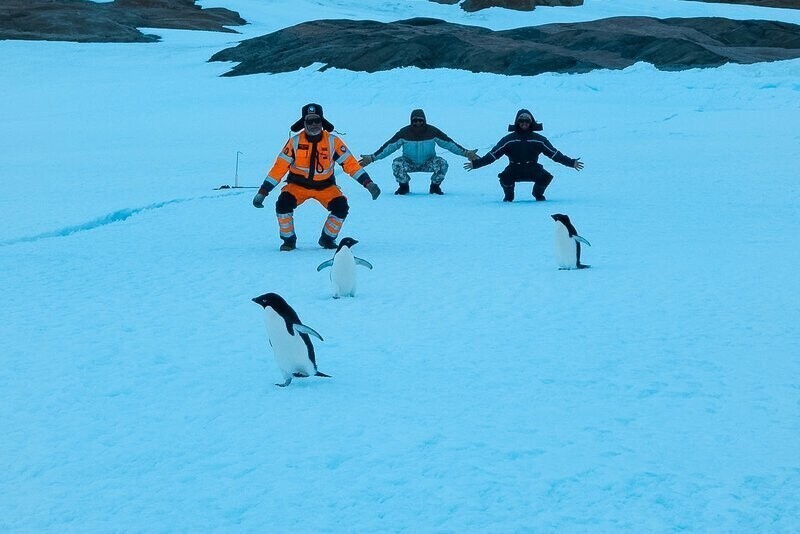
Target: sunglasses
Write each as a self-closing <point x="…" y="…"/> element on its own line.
<point x="526" y="121"/>
<point x="312" y="122"/>
<point x="418" y="121"/>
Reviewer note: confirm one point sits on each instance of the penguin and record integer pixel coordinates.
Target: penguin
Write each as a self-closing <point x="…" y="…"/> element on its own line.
<point x="289" y="339"/>
<point x="343" y="268"/>
<point x="568" y="243"/>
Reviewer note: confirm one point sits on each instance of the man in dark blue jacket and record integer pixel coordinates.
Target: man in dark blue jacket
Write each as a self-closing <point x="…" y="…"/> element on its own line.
<point x="418" y="140"/>
<point x="523" y="146"/>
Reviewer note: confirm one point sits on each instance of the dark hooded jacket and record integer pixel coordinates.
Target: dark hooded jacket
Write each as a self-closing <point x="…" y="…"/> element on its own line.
<point x="523" y="149"/>
<point x="419" y="143"/>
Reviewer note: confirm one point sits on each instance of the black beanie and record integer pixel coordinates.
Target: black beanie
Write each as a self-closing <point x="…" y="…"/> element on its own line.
<point x="418" y="114"/>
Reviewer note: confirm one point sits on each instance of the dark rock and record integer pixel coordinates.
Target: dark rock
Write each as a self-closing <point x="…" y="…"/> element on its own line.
<point x="787" y="4"/>
<point x="613" y="43"/>
<point x="519" y="5"/>
<point x="84" y="21"/>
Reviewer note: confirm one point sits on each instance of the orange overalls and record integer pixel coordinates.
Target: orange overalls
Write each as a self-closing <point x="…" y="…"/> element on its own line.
<point x="311" y="175"/>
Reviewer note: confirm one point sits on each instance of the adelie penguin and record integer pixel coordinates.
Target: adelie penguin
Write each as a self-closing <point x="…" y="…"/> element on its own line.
<point x="568" y="243"/>
<point x="289" y="338"/>
<point x="343" y="269"/>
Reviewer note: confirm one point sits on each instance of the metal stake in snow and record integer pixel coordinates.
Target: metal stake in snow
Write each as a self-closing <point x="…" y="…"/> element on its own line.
<point x="236" y="175"/>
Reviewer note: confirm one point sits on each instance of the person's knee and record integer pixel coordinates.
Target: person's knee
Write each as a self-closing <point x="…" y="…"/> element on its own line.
<point x="339" y="207"/>
<point x="440" y="165"/>
<point x="544" y="179"/>
<point x="286" y="203"/>
<point x="506" y="181"/>
<point x="400" y="164"/>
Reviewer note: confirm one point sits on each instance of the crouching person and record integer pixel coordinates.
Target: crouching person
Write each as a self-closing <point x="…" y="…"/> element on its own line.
<point x="418" y="140"/>
<point x="308" y="158"/>
<point x="523" y="147"/>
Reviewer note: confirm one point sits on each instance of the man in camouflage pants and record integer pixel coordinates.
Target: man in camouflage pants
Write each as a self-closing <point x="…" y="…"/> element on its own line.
<point x="419" y="140"/>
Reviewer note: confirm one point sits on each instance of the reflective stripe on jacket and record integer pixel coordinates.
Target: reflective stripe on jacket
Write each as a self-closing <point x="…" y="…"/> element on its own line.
<point x="295" y="159"/>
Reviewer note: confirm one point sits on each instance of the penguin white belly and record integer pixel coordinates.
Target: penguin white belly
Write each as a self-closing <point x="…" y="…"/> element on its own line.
<point x="566" y="249"/>
<point x="291" y="353"/>
<point x="343" y="273"/>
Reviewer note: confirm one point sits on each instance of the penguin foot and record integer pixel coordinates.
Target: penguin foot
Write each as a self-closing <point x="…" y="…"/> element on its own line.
<point x="299" y="375"/>
<point x="583" y="266"/>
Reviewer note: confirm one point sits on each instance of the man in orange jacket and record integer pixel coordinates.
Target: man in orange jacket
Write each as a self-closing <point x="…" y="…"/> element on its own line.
<point x="308" y="158"/>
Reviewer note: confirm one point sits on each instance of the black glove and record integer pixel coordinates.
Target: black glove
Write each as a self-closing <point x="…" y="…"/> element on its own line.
<point x="258" y="200"/>
<point x="374" y="190"/>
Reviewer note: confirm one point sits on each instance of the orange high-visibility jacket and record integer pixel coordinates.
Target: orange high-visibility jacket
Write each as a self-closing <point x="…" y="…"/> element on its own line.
<point x="295" y="158"/>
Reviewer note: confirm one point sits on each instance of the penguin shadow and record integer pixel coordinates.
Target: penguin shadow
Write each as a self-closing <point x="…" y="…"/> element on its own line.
<point x="343" y="274"/>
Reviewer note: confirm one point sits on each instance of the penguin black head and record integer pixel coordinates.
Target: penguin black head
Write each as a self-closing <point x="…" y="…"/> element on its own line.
<point x="272" y="300"/>
<point x="346" y="242"/>
<point x="564" y="219"/>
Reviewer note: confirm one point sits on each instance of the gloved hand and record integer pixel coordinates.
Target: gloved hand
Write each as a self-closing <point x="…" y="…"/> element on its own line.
<point x="258" y="200"/>
<point x="366" y="159"/>
<point x="472" y="155"/>
<point x="374" y="190"/>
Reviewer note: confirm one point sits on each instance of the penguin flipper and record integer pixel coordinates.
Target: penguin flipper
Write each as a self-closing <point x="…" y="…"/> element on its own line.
<point x="322" y="375"/>
<point x="303" y="329"/>
<point x="324" y="264"/>
<point x="581" y="240"/>
<point x="363" y="262"/>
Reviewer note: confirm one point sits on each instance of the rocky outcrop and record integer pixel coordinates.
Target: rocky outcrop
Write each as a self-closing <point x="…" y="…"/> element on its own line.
<point x="787" y="4"/>
<point x="614" y="43"/>
<point x="518" y="5"/>
<point x="117" y="22"/>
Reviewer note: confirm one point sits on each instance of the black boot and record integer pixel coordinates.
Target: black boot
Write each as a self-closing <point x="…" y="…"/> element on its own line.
<point x="436" y="189"/>
<point x="289" y="243"/>
<point x="539" y="187"/>
<point x="402" y="190"/>
<point x="508" y="193"/>
<point x="326" y="241"/>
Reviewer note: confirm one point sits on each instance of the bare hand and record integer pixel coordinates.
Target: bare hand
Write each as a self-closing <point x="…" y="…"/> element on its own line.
<point x="578" y="164"/>
<point x="472" y="155"/>
<point x="468" y="166"/>
<point x="366" y="159"/>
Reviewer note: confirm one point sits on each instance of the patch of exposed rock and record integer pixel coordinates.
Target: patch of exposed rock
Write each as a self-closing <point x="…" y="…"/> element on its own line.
<point x="83" y="21"/>
<point x="613" y="43"/>
<point x="519" y="5"/>
<point x="787" y="4"/>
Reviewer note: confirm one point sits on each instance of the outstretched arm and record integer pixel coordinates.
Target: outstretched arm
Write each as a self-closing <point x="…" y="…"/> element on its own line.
<point x="352" y="167"/>
<point x="275" y="174"/>
<point x="558" y="157"/>
<point x="446" y="142"/>
<point x="386" y="148"/>
<point x="493" y="155"/>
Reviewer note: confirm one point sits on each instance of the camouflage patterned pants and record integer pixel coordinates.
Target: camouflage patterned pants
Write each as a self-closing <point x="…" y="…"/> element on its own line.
<point x="402" y="166"/>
